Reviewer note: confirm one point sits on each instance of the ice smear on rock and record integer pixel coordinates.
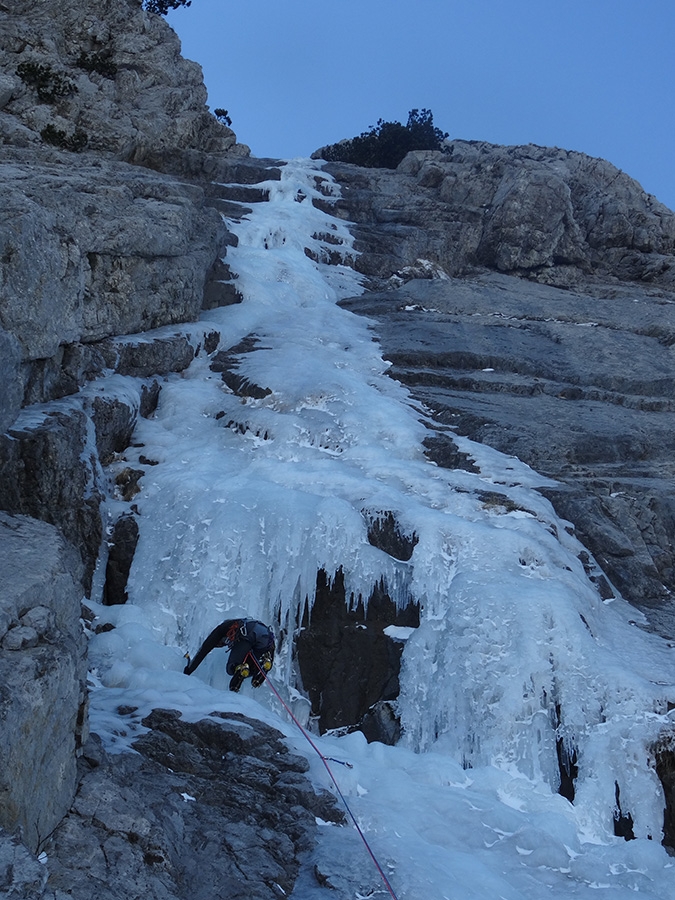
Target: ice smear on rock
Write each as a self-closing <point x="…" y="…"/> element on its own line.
<point x="516" y="654"/>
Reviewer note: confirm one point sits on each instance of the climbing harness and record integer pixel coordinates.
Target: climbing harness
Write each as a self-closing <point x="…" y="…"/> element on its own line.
<point x="324" y="760"/>
<point x="235" y="628"/>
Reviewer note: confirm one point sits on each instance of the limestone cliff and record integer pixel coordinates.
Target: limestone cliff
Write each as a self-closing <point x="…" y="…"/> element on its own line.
<point x="114" y="232"/>
<point x="109" y="71"/>
<point x="524" y="294"/>
<point x="43" y="671"/>
<point x="537" y="212"/>
<point x="111" y="228"/>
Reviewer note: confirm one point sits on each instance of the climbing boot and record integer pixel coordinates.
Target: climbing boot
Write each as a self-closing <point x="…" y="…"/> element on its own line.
<point x="240" y="673"/>
<point x="265" y="664"/>
<point x="236" y="682"/>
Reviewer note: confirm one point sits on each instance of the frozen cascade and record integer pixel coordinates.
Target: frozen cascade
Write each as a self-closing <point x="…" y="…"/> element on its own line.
<point x="516" y="660"/>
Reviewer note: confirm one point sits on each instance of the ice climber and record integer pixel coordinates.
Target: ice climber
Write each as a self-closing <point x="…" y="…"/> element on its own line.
<point x="251" y="646"/>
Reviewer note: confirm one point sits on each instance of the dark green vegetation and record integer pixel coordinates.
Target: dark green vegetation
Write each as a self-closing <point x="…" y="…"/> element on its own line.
<point x="386" y="144"/>
<point x="49" y="85"/>
<point x="75" y="142"/>
<point x="223" y="116"/>
<point x="161" y="7"/>
<point x="100" y="62"/>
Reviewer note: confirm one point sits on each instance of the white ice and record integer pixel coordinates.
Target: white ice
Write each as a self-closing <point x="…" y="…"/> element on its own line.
<point x="249" y="498"/>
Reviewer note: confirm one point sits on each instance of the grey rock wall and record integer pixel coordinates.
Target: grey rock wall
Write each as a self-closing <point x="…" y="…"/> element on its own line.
<point x="468" y="249"/>
<point x="548" y="214"/>
<point x="94" y="245"/>
<point x="579" y="385"/>
<point x="99" y="249"/>
<point x="115" y="73"/>
<point x="10" y="378"/>
<point x="42" y="677"/>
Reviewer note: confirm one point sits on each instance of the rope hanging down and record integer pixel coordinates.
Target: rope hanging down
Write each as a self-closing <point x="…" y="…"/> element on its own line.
<point x="324" y="760"/>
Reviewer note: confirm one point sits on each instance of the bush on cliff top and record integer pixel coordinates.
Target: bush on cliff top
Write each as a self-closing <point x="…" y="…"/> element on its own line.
<point x="161" y="7"/>
<point x="386" y="143"/>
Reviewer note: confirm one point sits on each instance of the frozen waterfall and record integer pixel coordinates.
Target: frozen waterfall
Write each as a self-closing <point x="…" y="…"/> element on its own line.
<point x="517" y="662"/>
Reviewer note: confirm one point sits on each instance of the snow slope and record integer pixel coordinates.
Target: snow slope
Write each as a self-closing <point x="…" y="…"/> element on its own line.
<point x="515" y="650"/>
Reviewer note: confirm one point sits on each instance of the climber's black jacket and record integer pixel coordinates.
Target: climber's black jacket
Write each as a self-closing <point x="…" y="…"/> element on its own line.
<point x="242" y="636"/>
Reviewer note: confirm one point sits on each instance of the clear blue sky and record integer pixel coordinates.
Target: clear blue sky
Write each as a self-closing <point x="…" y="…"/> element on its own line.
<point x="591" y="75"/>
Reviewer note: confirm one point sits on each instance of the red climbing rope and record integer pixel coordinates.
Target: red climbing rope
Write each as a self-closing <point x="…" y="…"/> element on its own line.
<point x="328" y="769"/>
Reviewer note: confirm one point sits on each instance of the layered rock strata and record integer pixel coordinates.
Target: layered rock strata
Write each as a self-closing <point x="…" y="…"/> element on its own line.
<point x="580" y="387"/>
<point x="466" y="248"/>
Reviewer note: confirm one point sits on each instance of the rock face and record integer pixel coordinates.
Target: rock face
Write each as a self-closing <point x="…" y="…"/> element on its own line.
<point x="578" y="383"/>
<point x="11" y="396"/>
<point x="465" y="253"/>
<point x="95" y="245"/>
<point x="99" y="249"/>
<point x="215" y="808"/>
<point x="543" y="213"/>
<point x="112" y="233"/>
<point x="349" y="665"/>
<point x="109" y="71"/>
<point x="42" y="677"/>
<point x="47" y="471"/>
<point x="91" y="245"/>
<point x="21" y="875"/>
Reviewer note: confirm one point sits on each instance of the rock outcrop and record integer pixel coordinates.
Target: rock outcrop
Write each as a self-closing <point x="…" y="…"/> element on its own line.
<point x="109" y="73"/>
<point x="469" y="249"/>
<point x="99" y="249"/>
<point x="214" y="808"/>
<point x="551" y="215"/>
<point x="578" y="385"/>
<point x="43" y="671"/>
<point x="93" y="243"/>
